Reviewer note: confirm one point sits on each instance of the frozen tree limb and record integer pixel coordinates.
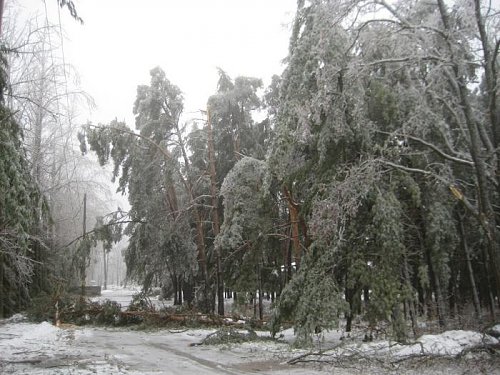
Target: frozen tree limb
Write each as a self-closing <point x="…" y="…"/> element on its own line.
<point x="433" y="148"/>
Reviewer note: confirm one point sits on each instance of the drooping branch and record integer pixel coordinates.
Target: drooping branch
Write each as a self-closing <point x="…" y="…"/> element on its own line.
<point x="71" y="8"/>
<point x="453" y="189"/>
<point x="432" y="147"/>
<point x="90" y="232"/>
<point x="394" y="60"/>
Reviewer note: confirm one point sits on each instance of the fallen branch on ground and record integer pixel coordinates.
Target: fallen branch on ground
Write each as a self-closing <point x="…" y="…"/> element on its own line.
<point x="342" y="355"/>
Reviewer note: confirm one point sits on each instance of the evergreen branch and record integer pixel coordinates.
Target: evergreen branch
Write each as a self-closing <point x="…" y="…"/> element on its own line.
<point x="414" y="170"/>
<point x="245" y="245"/>
<point x="454" y="114"/>
<point x="6" y="233"/>
<point x="393" y="12"/>
<point x="279" y="235"/>
<point x="432" y="147"/>
<point x="17" y="255"/>
<point x="165" y="152"/>
<point x="285" y="237"/>
<point x="495" y="54"/>
<point x="406" y="59"/>
<point x="456" y="193"/>
<point x="443" y="154"/>
<point x="403" y="24"/>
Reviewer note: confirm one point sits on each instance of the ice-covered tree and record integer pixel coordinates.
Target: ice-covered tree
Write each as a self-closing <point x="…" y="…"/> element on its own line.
<point x="244" y="236"/>
<point x="162" y="244"/>
<point x="380" y="97"/>
<point x="23" y="212"/>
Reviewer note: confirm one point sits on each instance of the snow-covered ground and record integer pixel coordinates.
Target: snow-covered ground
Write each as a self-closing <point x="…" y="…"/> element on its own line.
<point x="28" y="348"/>
<point x="45" y="349"/>
<point x="118" y="294"/>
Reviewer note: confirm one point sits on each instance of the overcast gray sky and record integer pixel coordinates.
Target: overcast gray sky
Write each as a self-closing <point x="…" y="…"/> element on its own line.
<point x="121" y="40"/>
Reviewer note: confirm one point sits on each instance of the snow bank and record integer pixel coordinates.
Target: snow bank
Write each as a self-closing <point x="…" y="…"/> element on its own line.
<point x="43" y="331"/>
<point x="449" y="343"/>
<point x="26" y="336"/>
<point x="120" y="291"/>
<point x="494" y="331"/>
<point x="16" y="318"/>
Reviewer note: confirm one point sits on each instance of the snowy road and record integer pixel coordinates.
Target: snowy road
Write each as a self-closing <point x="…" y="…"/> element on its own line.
<point x="29" y="348"/>
<point x="44" y="349"/>
<point x="171" y="353"/>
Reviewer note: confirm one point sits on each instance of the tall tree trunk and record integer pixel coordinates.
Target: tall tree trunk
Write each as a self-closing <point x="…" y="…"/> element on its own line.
<point x="490" y="73"/>
<point x="293" y="209"/>
<point x="287" y="266"/>
<point x="36" y="147"/>
<point x="105" y="266"/>
<point x="206" y="304"/>
<point x="440" y="302"/>
<point x="175" y="286"/>
<point x="410" y="301"/>
<point x="2" y="2"/>
<point x="179" y="291"/>
<point x="215" y="214"/>
<point x="489" y="288"/>
<point x="426" y="299"/>
<point x="487" y="217"/>
<point x="187" y="289"/>
<point x="261" y="304"/>
<point x="470" y="270"/>
<point x="349" y="299"/>
<point x="437" y="289"/>
<point x="490" y="55"/>
<point x="3" y="290"/>
<point x="39" y="116"/>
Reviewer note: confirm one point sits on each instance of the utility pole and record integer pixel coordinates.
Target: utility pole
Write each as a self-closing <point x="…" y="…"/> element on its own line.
<point x="83" y="260"/>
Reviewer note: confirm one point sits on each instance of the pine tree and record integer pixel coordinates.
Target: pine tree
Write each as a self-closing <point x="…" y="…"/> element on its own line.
<point x="21" y="215"/>
<point x="379" y="139"/>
